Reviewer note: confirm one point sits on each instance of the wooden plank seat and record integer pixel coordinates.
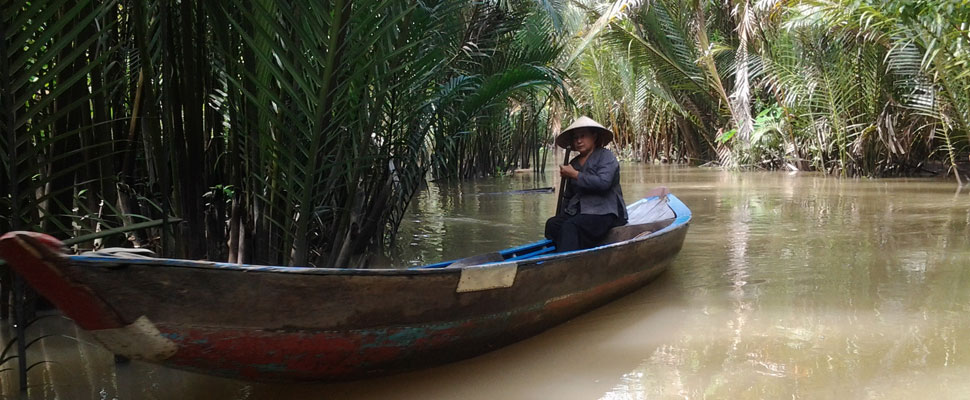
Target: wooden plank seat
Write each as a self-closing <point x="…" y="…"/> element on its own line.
<point x="630" y="231"/>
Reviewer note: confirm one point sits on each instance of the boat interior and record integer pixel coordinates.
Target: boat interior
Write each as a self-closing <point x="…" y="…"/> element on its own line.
<point x="644" y="217"/>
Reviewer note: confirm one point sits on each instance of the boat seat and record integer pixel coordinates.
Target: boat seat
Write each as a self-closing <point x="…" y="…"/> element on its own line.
<point x="644" y="217"/>
<point x="630" y="231"/>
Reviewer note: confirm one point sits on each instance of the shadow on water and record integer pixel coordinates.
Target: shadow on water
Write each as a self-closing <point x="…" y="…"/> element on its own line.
<point x="581" y="358"/>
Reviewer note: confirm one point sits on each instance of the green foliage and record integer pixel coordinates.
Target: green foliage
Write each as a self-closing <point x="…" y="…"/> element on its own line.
<point x="296" y="131"/>
<point x="856" y="88"/>
<point x="483" y="137"/>
<point x="884" y="75"/>
<point x="62" y="134"/>
<point x="653" y="76"/>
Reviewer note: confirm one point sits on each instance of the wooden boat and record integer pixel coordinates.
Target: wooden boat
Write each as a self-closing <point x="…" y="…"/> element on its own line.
<point x="289" y="323"/>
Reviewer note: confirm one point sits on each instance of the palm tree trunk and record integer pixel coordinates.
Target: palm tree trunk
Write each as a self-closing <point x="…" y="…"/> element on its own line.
<point x="9" y="181"/>
<point x="61" y="199"/>
<point x="192" y="174"/>
<point x="234" y="229"/>
<point x="104" y="130"/>
<point x="338" y="33"/>
<point x="741" y="98"/>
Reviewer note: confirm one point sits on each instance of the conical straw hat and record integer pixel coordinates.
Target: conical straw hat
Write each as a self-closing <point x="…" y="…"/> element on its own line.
<point x="565" y="139"/>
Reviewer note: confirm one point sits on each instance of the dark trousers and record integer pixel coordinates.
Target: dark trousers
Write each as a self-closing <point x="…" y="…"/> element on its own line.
<point x="574" y="232"/>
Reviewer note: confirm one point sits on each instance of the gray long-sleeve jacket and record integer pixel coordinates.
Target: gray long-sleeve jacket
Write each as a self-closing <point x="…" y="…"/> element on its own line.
<point x="597" y="189"/>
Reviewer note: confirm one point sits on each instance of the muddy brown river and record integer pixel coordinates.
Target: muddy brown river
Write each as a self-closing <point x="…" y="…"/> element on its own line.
<point x="789" y="286"/>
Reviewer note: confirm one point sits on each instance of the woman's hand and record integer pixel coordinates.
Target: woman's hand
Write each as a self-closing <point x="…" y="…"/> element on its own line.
<point x="567" y="171"/>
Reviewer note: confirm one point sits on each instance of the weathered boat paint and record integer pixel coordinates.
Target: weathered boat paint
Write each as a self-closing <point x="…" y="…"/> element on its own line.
<point x="285" y="323"/>
<point x="257" y="354"/>
<point x="35" y="256"/>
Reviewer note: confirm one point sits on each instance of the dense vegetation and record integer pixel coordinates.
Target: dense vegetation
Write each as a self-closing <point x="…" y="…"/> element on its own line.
<point x="295" y="134"/>
<point x="849" y="87"/>
<point x="290" y="132"/>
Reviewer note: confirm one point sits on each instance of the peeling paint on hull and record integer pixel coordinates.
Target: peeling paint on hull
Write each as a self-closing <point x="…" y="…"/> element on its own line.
<point x="344" y="355"/>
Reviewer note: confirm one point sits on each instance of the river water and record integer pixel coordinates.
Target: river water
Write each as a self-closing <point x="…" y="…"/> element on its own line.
<point x="788" y="286"/>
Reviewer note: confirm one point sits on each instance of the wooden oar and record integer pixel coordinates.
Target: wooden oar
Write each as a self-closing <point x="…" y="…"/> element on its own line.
<point x="562" y="184"/>
<point x="549" y="189"/>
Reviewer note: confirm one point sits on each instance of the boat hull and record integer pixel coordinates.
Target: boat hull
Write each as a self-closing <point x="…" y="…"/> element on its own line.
<point x="286" y="324"/>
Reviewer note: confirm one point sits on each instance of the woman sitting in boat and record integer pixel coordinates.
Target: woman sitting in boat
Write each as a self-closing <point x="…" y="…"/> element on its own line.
<point x="592" y="200"/>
